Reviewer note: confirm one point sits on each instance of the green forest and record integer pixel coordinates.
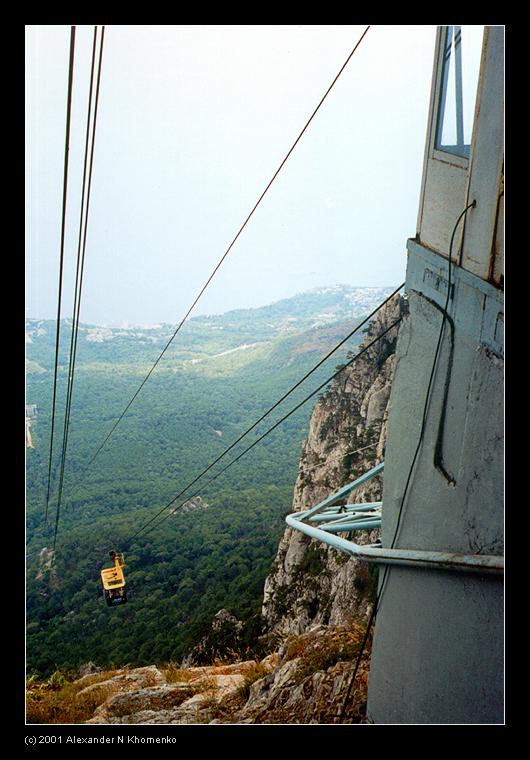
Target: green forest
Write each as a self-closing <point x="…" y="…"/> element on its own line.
<point x="220" y="376"/>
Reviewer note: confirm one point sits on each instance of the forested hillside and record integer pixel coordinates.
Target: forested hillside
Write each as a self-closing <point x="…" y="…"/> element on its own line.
<point x="220" y="375"/>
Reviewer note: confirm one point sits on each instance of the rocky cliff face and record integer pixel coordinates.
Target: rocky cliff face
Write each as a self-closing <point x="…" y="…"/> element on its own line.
<point x="310" y="583"/>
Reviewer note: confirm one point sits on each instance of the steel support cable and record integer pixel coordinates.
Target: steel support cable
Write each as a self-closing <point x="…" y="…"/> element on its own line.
<point x="382" y="585"/>
<point x="285" y="395"/>
<point x="73" y="337"/>
<point x="75" y="313"/>
<point x="61" y="258"/>
<point x="83" y="225"/>
<point x="225" y="254"/>
<point x="264" y="435"/>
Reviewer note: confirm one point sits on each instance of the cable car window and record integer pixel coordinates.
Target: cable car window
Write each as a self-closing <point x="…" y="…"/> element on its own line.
<point x="461" y="65"/>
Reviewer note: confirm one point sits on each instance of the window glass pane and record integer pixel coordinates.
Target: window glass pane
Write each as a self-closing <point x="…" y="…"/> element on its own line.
<point x="461" y="65"/>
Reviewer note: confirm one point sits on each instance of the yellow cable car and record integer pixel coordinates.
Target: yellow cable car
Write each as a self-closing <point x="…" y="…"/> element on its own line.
<point x="114" y="591"/>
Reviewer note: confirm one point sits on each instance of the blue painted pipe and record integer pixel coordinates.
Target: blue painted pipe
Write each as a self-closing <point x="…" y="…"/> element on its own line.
<point x="359" y="525"/>
<point x="344" y="491"/>
<point x="479" y="563"/>
<point x="346" y="521"/>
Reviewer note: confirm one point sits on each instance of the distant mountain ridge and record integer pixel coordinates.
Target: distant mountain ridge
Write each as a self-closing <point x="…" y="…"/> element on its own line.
<point x="338" y="300"/>
<point x="213" y="335"/>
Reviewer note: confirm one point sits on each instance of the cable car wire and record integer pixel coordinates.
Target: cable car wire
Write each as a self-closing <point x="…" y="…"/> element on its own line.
<point x="285" y="395"/>
<point x="225" y="254"/>
<point x="265" y="434"/>
<point x="81" y="250"/>
<point x="61" y="258"/>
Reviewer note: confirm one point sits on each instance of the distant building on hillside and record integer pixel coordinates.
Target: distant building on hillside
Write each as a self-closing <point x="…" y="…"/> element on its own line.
<point x="31" y="410"/>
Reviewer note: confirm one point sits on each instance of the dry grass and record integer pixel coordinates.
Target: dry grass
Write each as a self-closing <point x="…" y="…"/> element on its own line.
<point x="58" y="699"/>
<point x="99" y="677"/>
<point x="62" y="705"/>
<point x="175" y="674"/>
<point x="198" y="681"/>
<point x="254" y="672"/>
<point x="320" y="654"/>
<point x="204" y="685"/>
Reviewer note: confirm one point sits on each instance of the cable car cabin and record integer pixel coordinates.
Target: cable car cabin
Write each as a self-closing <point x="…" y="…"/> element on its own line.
<point x="114" y="591"/>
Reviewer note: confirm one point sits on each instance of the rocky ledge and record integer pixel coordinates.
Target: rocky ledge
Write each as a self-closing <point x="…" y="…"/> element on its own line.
<point x="309" y="680"/>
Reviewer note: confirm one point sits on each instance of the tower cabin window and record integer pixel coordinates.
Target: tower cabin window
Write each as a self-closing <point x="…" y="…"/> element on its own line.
<point x="462" y="50"/>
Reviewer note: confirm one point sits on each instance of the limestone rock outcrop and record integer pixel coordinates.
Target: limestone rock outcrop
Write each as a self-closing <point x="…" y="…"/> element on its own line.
<point x="313" y="681"/>
<point x="311" y="583"/>
<point x="309" y="680"/>
<point x="170" y="696"/>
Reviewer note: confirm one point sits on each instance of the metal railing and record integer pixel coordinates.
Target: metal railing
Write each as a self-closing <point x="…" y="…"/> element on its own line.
<point x="334" y="517"/>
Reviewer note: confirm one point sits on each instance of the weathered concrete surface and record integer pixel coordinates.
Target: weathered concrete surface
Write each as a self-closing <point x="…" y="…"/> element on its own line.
<point x="438" y="646"/>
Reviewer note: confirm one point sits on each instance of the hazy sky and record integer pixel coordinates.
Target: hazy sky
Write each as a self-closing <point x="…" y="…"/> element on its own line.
<point x="192" y="123"/>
